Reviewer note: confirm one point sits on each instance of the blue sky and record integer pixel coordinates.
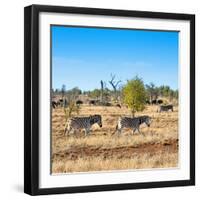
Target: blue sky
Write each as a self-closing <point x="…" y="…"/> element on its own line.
<point x="82" y="57"/>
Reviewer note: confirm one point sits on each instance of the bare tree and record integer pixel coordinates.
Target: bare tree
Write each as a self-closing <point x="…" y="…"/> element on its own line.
<point x="63" y="90"/>
<point x="114" y="85"/>
<point x="102" y="88"/>
<point x="152" y="91"/>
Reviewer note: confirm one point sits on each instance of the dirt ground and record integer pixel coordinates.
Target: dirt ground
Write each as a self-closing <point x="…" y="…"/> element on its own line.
<point x="102" y="151"/>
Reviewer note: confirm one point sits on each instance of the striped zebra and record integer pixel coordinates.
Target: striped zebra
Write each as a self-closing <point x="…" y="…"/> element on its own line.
<point x="86" y="123"/>
<point x="132" y="123"/>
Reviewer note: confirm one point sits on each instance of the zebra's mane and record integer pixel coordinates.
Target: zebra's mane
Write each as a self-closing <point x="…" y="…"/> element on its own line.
<point x="94" y="118"/>
<point x="143" y="118"/>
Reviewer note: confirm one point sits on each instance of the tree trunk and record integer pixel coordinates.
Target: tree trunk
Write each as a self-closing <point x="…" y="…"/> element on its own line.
<point x="133" y="113"/>
<point x="102" y="91"/>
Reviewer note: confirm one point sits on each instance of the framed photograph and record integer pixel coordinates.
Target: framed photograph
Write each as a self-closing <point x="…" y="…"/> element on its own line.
<point x="109" y="99"/>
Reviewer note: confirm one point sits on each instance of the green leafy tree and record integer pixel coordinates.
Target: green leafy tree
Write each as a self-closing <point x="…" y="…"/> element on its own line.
<point x="166" y="91"/>
<point x="176" y="94"/>
<point x="76" y="91"/>
<point x="134" y="95"/>
<point x="96" y="93"/>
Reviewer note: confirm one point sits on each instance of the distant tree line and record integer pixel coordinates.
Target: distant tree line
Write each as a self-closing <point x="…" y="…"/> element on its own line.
<point x="63" y="92"/>
<point x="134" y="94"/>
<point x="152" y="92"/>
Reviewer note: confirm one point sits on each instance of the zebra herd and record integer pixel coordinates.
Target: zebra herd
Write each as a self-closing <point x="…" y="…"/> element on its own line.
<point x="86" y="123"/>
<point x="133" y="123"/>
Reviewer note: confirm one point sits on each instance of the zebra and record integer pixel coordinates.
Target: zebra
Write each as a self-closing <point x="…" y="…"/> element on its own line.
<point x="133" y="123"/>
<point x="165" y="108"/>
<point x="82" y="123"/>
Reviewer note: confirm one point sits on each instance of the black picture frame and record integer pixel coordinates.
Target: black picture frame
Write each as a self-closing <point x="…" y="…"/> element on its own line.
<point x="31" y="99"/>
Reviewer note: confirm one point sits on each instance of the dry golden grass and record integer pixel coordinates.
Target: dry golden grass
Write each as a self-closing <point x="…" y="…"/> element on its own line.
<point x="159" y="160"/>
<point x="103" y="151"/>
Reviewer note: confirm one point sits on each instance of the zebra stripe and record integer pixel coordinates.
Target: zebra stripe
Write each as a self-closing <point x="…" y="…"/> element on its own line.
<point x="82" y="123"/>
<point x="132" y="123"/>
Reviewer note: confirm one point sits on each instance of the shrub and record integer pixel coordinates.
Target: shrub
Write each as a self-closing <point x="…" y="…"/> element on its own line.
<point x="134" y="95"/>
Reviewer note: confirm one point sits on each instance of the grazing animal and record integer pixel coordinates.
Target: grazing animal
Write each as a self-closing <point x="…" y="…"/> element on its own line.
<point x="82" y="123"/>
<point x="160" y="101"/>
<point x="118" y="105"/>
<point x="106" y="104"/>
<point x="92" y="102"/>
<point x="132" y="123"/>
<point x="62" y="102"/>
<point x="147" y="102"/>
<point x="166" y="108"/>
<point x="79" y="102"/>
<point x="59" y="102"/>
<point x="154" y="101"/>
<point x="54" y="104"/>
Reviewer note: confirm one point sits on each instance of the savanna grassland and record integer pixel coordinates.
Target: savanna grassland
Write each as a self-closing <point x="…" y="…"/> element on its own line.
<point x="102" y="151"/>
